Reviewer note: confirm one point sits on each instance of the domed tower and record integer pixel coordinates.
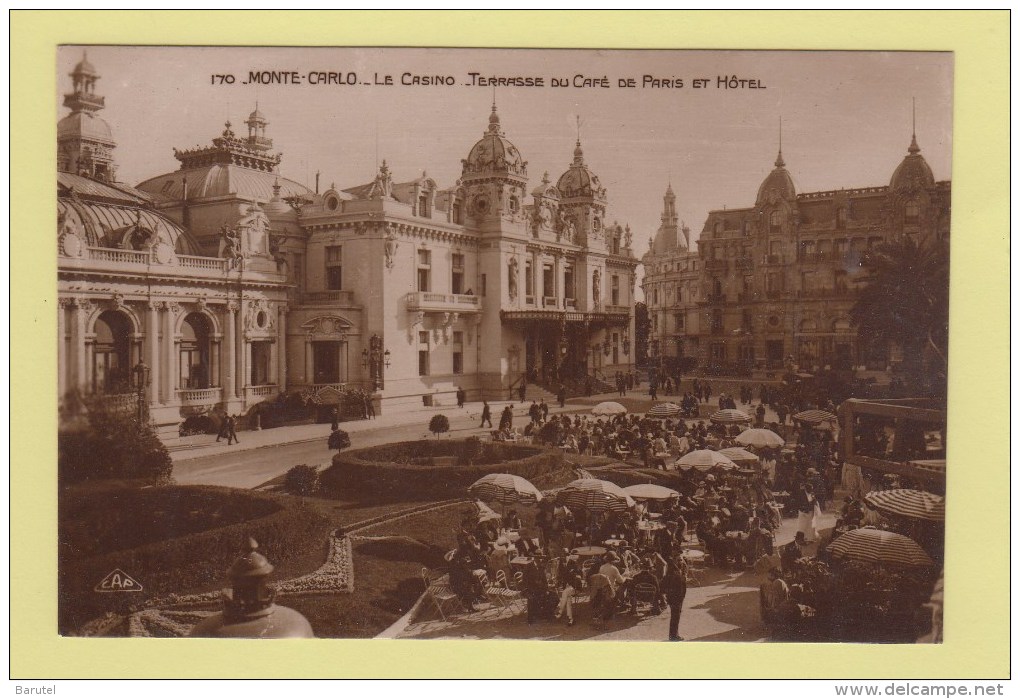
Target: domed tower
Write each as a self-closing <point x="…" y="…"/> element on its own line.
<point x="583" y="200"/>
<point x="777" y="198"/>
<point x="257" y="131"/>
<point x="911" y="207"/>
<point x="84" y="141"/>
<point x="494" y="177"/>
<point x="667" y="238"/>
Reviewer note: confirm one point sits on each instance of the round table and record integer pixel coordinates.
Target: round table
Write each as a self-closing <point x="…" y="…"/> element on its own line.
<point x="589" y="551"/>
<point x="613" y="543"/>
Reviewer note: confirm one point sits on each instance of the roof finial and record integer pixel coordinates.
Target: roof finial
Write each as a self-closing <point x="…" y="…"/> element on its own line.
<point x="779" y="159"/>
<point x="578" y="153"/>
<point x="914" y="148"/>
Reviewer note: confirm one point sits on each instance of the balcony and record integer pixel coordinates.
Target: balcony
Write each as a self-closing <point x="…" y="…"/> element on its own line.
<point x="200" y="396"/>
<point x="433" y="302"/>
<point x="616" y="308"/>
<point x="716" y="265"/>
<point x="549" y="301"/>
<point x="257" y="392"/>
<point x="827" y="293"/>
<point x="332" y="298"/>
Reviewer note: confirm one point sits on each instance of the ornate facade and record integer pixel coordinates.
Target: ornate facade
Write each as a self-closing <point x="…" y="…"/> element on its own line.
<point x="773" y="284"/>
<point x="232" y="284"/>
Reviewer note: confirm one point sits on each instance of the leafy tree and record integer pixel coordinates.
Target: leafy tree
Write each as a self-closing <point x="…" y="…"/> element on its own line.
<point x="439" y="424"/>
<point x="111" y="442"/>
<point x="905" y="299"/>
<point x="470" y="449"/>
<point x="339" y="440"/>
<point x="642" y="326"/>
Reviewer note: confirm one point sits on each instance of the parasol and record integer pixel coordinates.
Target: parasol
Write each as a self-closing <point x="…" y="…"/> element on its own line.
<point x="813" y="417"/>
<point x="739" y="455"/>
<point x="879" y="546"/>
<point x="663" y="410"/>
<point x="729" y="417"/>
<point x="595" y="495"/>
<point x="608" y="407"/>
<point x="650" y="491"/>
<point x="759" y="439"/>
<point x="903" y="502"/>
<point x="504" y="488"/>
<point x="705" y="460"/>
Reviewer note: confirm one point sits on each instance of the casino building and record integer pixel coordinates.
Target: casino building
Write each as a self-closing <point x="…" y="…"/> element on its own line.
<point x="229" y="285"/>
<point x="773" y="284"/>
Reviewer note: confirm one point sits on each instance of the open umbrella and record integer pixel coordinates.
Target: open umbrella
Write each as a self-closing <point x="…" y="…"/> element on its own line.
<point x="504" y="488"/>
<point x="663" y="410"/>
<point x="608" y="407"/>
<point x="913" y="504"/>
<point x="729" y="417"/>
<point x="759" y="439"/>
<point x="595" y="495"/>
<point x="872" y="545"/>
<point x="485" y="513"/>
<point x="705" y="460"/>
<point x="650" y="491"/>
<point x="813" y="417"/>
<point x="739" y="455"/>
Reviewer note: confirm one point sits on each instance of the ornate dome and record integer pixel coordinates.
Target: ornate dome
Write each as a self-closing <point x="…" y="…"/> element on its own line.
<point x="778" y="181"/>
<point x="85" y="68"/>
<point x="545" y="189"/>
<point x="84" y="125"/>
<point x="494" y="153"/>
<point x="914" y="171"/>
<point x="221" y="180"/>
<point x="579" y="181"/>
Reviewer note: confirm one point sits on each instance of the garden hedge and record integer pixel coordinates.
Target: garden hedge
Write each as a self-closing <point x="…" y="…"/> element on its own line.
<point x="283" y="528"/>
<point x="434" y="469"/>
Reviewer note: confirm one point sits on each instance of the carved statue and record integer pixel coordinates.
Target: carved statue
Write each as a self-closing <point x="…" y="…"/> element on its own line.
<point x="230" y="244"/>
<point x="390" y="247"/>
<point x="254" y="232"/>
<point x="512" y="278"/>
<point x="565" y="226"/>
<point x="627" y="236"/>
<point x="596" y="287"/>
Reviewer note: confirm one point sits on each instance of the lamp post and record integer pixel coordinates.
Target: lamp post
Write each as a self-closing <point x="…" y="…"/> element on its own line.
<point x="375" y="358"/>
<point x="142" y="381"/>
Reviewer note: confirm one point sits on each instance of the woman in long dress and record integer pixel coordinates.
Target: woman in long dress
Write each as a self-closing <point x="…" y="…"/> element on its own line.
<point x="806" y="513"/>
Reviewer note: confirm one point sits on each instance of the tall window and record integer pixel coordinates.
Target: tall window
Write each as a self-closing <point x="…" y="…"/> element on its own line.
<point x="615" y="289"/>
<point x="745" y="320"/>
<point x="483" y="285"/>
<point x="841" y="216"/>
<point x="334" y="268"/>
<point x="775" y="219"/>
<point x="718" y="351"/>
<point x="457" y="279"/>
<point x="458" y="212"/>
<point x="423" y="205"/>
<point x="568" y="282"/>
<point x="529" y="280"/>
<point x="194" y="354"/>
<point x="548" y="282"/>
<point x="423" y="353"/>
<point x="678" y="321"/>
<point x="458" y="352"/>
<point x="911" y="212"/>
<point x="110" y="356"/>
<point x="424" y="270"/>
<point x="260" y="355"/>
<point x="299" y="271"/>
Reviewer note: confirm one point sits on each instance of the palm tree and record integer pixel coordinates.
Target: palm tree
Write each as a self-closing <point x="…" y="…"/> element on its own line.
<point x="905" y="299"/>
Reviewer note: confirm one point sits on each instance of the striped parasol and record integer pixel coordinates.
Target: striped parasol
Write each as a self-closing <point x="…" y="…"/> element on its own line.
<point x="872" y="545"/>
<point x="813" y="417"/>
<point x="609" y="407"/>
<point x="664" y="410"/>
<point x="729" y="417"/>
<point x="650" y="491"/>
<point x="504" y="488"/>
<point x="705" y="460"/>
<point x="739" y="455"/>
<point x="930" y="465"/>
<point x="903" y="502"/>
<point x="759" y="439"/>
<point x="595" y="495"/>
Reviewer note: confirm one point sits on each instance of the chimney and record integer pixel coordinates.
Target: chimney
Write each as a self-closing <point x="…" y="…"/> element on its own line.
<point x="316" y="181"/>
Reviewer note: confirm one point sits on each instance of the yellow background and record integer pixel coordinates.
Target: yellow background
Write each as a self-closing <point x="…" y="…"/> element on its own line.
<point x="977" y="574"/>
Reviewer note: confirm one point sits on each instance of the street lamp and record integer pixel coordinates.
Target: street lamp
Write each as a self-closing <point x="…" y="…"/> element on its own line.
<point x="142" y="380"/>
<point x="375" y="358"/>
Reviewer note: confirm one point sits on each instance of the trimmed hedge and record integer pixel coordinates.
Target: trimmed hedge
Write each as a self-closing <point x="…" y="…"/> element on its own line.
<point x="410" y="469"/>
<point x="284" y="530"/>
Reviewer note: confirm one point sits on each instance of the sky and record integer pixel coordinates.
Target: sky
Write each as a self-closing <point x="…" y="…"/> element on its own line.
<point x="846" y="116"/>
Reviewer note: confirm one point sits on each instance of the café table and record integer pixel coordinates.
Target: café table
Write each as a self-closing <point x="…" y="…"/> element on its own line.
<point x="584" y="552"/>
<point x="613" y="543"/>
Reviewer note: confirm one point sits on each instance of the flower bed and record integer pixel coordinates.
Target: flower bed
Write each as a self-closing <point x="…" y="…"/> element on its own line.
<point x="424" y="469"/>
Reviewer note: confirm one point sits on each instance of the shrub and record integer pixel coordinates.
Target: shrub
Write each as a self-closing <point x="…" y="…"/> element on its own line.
<point x="471" y="449"/>
<point x="113" y="444"/>
<point x="301" y="480"/>
<point x="439" y="424"/>
<point x="550" y="432"/>
<point x="339" y="440"/>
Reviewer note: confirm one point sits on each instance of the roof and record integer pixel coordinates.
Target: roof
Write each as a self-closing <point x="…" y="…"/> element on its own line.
<point x="85" y="124"/>
<point x="495" y="153"/>
<point x="113" y="192"/>
<point x="579" y="180"/>
<point x="107" y="225"/>
<point x="220" y="180"/>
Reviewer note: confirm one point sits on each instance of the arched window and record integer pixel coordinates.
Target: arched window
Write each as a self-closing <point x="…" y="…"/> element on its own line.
<point x="912" y="211"/>
<point x="110" y="364"/>
<point x="194" y="351"/>
<point x="776" y="219"/>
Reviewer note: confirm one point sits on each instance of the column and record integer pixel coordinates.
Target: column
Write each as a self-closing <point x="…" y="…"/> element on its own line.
<point x="62" y="368"/>
<point x="240" y="348"/>
<point x="281" y="354"/>
<point x="309" y="362"/>
<point x="214" y="361"/>
<point x="229" y="364"/>
<point x="170" y="359"/>
<point x="156" y="367"/>
<point x="558" y="280"/>
<point x="82" y="307"/>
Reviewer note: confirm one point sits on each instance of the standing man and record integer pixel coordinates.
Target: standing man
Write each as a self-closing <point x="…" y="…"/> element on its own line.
<point x="335" y="420"/>
<point x="523" y="390"/>
<point x="544" y="408"/>
<point x="561" y="396"/>
<point x="486" y="414"/>
<point x="674" y="586"/>
<point x="460" y="397"/>
<point x="652" y="390"/>
<point x="369" y="408"/>
<point x="506" y="419"/>
<point x="223" y="427"/>
<point x="232" y="430"/>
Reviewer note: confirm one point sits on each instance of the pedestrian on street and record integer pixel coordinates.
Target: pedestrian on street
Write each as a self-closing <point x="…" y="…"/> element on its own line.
<point x="523" y="390"/>
<point x="506" y="419"/>
<point x="232" y="430"/>
<point x="369" y="407"/>
<point x="561" y="396"/>
<point x="222" y="434"/>
<point x="674" y="586"/>
<point x="544" y="408"/>
<point x="460" y="397"/>
<point x="335" y="423"/>
<point x="486" y="414"/>
<point x="652" y="391"/>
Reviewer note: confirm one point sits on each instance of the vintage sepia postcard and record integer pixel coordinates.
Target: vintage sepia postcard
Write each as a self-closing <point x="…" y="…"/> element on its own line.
<point x="504" y="345"/>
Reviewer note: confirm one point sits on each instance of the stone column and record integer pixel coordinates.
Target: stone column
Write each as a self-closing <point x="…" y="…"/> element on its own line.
<point x="82" y="308"/>
<point x="156" y="367"/>
<point x="558" y="280"/>
<point x="281" y="353"/>
<point x="62" y="368"/>
<point x="309" y="362"/>
<point x="229" y="361"/>
<point x="214" y="361"/>
<point x="170" y="355"/>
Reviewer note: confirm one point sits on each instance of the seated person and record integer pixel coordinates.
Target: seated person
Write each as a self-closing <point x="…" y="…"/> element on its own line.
<point x="792" y="552"/>
<point x="603" y="597"/>
<point x="464" y="583"/>
<point x="512" y="520"/>
<point x="569" y="579"/>
<point x="645" y="577"/>
<point x="775" y="598"/>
